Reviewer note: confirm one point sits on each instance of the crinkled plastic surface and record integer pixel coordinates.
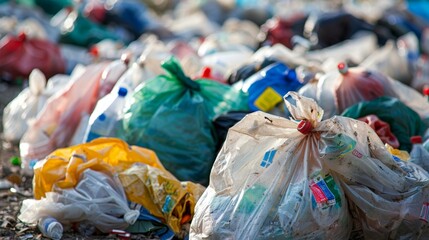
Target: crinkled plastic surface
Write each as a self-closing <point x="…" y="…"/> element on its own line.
<point x="63" y="166"/>
<point x="382" y="129"/>
<point x="270" y="180"/>
<point x="172" y="115"/>
<point x="403" y="121"/>
<point x="161" y="193"/>
<point x="57" y="121"/>
<point x="19" y="55"/>
<point x="98" y="199"/>
<point x="259" y="185"/>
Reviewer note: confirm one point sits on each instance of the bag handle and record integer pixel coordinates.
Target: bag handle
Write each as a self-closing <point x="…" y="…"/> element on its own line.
<point x="173" y="67"/>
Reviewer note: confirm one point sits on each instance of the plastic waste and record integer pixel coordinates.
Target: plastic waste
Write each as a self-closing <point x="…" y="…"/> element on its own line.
<point x="98" y="198"/>
<point x="73" y="56"/>
<point x="304" y="173"/>
<point x="267" y="86"/>
<point x="161" y="194"/>
<point x="382" y="129"/>
<point x="19" y="55"/>
<point x="419" y="155"/>
<point x="224" y="122"/>
<point x="248" y="70"/>
<point x="63" y="166"/>
<point x="24" y="107"/>
<point x="281" y="30"/>
<point x="55" y="125"/>
<point x="50" y="228"/>
<point x="104" y="121"/>
<point x="164" y="113"/>
<point x="404" y="122"/>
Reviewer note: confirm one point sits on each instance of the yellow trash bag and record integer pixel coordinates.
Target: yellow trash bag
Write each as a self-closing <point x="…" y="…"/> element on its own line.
<point x="63" y="167"/>
<point x="161" y="194"/>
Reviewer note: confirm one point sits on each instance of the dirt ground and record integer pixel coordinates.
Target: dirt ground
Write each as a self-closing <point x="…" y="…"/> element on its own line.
<point x="11" y="197"/>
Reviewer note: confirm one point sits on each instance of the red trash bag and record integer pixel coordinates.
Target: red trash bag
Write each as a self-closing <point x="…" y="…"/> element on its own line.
<point x="382" y="129"/>
<point x="19" y="55"/>
<point x="358" y="85"/>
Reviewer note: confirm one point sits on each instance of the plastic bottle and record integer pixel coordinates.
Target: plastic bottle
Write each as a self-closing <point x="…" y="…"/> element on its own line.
<point x="104" y="124"/>
<point x="419" y="155"/>
<point x="50" y="228"/>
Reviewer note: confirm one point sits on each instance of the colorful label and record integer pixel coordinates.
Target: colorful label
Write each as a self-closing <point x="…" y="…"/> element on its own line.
<point x="325" y="191"/>
<point x="268" y="99"/>
<point x="357" y="154"/>
<point x="424" y="214"/>
<point x="268" y="158"/>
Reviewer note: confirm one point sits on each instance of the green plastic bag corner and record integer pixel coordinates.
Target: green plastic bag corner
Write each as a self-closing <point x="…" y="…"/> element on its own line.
<point x="172" y="115"/>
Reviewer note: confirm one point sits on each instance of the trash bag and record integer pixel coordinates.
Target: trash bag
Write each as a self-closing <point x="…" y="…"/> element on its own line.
<point x="52" y="7"/>
<point x="248" y="70"/>
<point x="24" y="107"/>
<point x="418" y="154"/>
<point x="266" y="87"/>
<point x="280" y="178"/>
<point x="382" y="129"/>
<point x="282" y="30"/>
<point x="98" y="199"/>
<point x="161" y="194"/>
<point x="403" y="121"/>
<point x="267" y="182"/>
<point x="55" y="124"/>
<point x="19" y="55"/>
<point x="224" y="122"/>
<point x="79" y="30"/>
<point x="63" y="166"/>
<point x="172" y="115"/>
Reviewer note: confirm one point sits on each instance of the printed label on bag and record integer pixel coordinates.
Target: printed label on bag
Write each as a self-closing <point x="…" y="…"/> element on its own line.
<point x="424" y="216"/>
<point x="325" y="191"/>
<point x="357" y="154"/>
<point x="268" y="158"/>
<point x="268" y="99"/>
<point x="403" y="166"/>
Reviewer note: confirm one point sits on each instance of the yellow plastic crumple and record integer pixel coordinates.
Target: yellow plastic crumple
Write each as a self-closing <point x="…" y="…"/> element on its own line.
<point x="161" y="194"/>
<point x="401" y="154"/>
<point x="109" y="155"/>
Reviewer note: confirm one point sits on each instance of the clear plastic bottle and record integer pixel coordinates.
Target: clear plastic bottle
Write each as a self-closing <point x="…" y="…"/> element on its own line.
<point x="419" y="155"/>
<point x="50" y="228"/>
<point x="104" y="124"/>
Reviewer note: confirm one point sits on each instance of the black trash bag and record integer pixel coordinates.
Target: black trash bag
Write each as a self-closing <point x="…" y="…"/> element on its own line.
<point x="248" y="70"/>
<point x="222" y="124"/>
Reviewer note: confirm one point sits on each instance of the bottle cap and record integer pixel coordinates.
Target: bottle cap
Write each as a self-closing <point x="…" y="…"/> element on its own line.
<point x="426" y="90"/>
<point x="102" y="117"/>
<point x="16" y="161"/>
<point x="305" y="127"/>
<point x="343" y="68"/>
<point x="207" y="72"/>
<point x="416" y="139"/>
<point x="122" y="92"/>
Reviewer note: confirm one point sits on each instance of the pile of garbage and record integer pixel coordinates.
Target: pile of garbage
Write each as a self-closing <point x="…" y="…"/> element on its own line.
<point x="221" y="119"/>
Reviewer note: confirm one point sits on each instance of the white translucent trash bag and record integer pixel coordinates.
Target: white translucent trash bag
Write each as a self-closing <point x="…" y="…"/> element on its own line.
<point x="259" y="184"/>
<point x="98" y="199"/>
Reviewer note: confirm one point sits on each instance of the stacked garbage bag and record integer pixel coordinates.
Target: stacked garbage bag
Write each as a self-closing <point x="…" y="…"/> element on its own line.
<point x="220" y="119"/>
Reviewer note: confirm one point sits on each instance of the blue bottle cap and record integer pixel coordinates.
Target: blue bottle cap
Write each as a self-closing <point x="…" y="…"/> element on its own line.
<point x="122" y="92"/>
<point x="102" y="117"/>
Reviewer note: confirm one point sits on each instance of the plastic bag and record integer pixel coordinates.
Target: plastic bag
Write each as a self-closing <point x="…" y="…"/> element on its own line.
<point x="56" y="123"/>
<point x="382" y="129"/>
<point x="63" y="166"/>
<point x="403" y="121"/>
<point x="264" y="183"/>
<point x="24" y="107"/>
<point x="248" y="70"/>
<point x="172" y="115"/>
<point x="19" y="55"/>
<point x="162" y="194"/>
<point x="78" y="30"/>
<point x="98" y="199"/>
<point x="224" y="122"/>
<point x="266" y="87"/>
<point x="284" y="178"/>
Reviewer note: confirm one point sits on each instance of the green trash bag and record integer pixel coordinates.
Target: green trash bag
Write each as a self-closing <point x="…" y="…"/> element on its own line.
<point x="51" y="7"/>
<point x="172" y="115"/>
<point x="78" y="30"/>
<point x="404" y="122"/>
